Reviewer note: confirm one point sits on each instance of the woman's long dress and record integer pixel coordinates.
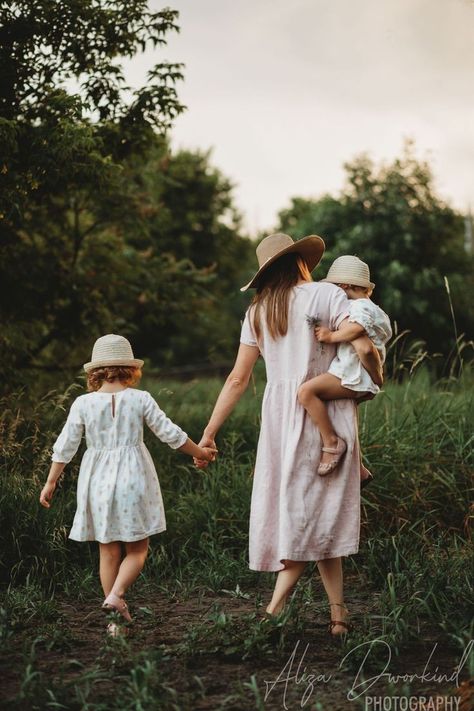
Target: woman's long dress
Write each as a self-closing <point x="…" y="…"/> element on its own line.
<point x="295" y="513"/>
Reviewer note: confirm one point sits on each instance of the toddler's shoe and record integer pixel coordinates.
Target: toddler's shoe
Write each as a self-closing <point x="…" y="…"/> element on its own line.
<point x="327" y="467"/>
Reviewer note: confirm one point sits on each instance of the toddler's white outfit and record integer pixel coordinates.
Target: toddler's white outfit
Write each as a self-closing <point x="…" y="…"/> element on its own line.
<point x="346" y="365"/>
<point x="118" y="492"/>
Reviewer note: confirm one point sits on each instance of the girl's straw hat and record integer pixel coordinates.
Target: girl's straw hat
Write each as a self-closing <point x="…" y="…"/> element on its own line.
<point x="112" y="350"/>
<point x="270" y="248"/>
<point x="349" y="270"/>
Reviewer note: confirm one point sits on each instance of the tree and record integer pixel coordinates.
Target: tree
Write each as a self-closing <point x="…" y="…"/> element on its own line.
<point x="391" y="217"/>
<point x="65" y="201"/>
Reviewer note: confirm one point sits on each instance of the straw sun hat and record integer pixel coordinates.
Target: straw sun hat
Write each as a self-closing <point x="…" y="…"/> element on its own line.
<point x="112" y="350"/>
<point x="349" y="270"/>
<point x="311" y="248"/>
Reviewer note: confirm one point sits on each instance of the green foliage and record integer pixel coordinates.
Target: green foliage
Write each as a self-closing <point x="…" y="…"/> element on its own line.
<point x="102" y="229"/>
<point x="391" y="217"/>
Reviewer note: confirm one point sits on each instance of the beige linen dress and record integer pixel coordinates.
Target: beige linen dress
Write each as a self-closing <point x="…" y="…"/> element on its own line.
<point x="296" y="514"/>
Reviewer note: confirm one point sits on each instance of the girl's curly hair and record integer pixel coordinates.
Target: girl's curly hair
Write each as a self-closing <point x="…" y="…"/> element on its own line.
<point x="128" y="376"/>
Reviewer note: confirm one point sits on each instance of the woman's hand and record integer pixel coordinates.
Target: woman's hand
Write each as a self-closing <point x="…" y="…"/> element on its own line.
<point x="47" y="494"/>
<point x="208" y="454"/>
<point x="206" y="443"/>
<point x="323" y="334"/>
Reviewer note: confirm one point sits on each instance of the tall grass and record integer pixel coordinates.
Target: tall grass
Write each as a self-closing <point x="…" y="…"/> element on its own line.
<point x="416" y="437"/>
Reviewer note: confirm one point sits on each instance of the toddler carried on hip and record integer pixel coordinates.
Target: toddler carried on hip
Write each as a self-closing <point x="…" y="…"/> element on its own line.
<point x="346" y="377"/>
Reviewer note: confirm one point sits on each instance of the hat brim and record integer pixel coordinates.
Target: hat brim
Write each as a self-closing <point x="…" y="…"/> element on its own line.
<point x="130" y="362"/>
<point x="311" y="248"/>
<point x="354" y="282"/>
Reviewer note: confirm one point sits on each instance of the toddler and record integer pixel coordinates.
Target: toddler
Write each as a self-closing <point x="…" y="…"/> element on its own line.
<point x="119" y="501"/>
<point x="346" y="377"/>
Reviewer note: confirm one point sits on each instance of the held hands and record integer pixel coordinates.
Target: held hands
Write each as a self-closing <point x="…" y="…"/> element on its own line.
<point x="207" y="444"/>
<point x="323" y="334"/>
<point x="47" y="494"/>
<point x="208" y="454"/>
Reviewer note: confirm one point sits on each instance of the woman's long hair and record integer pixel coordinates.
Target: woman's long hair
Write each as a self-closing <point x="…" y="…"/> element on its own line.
<point x="272" y="298"/>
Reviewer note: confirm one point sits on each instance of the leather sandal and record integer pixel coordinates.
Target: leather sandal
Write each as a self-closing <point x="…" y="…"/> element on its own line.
<point x="348" y="625"/>
<point x="114" y="603"/>
<point x="368" y="478"/>
<point x="327" y="467"/>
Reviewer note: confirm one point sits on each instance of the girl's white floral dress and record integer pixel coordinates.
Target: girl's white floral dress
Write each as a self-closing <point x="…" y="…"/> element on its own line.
<point x="118" y="492"/>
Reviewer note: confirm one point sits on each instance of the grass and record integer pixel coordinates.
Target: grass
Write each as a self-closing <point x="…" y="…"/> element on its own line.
<point x="411" y="580"/>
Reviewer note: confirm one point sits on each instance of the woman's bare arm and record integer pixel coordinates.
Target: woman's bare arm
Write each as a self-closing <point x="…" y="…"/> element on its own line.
<point x="370" y="358"/>
<point x="233" y="389"/>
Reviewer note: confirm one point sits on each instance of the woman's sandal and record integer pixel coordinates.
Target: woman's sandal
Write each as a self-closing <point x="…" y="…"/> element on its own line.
<point x="114" y="603"/>
<point x="348" y="625"/>
<point x="326" y="468"/>
<point x="368" y="478"/>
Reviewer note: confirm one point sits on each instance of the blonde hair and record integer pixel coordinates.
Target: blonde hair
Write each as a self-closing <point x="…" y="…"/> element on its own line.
<point x="128" y="376"/>
<point x="272" y="299"/>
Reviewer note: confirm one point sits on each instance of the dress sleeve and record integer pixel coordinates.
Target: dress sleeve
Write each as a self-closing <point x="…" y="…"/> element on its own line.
<point x="363" y="314"/>
<point x="247" y="336"/>
<point x="161" y="425"/>
<point x="69" y="440"/>
<point x="338" y="308"/>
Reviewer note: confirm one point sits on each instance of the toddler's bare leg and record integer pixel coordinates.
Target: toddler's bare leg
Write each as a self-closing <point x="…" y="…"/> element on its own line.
<point x="131" y="566"/>
<point x="110" y="558"/>
<point x="312" y="395"/>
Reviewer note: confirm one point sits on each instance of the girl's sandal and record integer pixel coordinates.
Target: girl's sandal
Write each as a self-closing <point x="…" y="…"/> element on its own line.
<point x="326" y="468"/>
<point x="114" y="603"/>
<point x="348" y="625"/>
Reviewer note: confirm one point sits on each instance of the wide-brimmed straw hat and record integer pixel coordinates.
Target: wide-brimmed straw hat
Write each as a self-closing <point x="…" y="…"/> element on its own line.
<point x="350" y="270"/>
<point x="311" y="248"/>
<point x="112" y="350"/>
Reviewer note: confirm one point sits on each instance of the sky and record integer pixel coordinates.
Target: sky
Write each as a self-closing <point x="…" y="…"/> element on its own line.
<point x="283" y="92"/>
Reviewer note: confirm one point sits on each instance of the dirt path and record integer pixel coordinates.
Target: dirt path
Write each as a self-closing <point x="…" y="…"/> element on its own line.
<point x="200" y="648"/>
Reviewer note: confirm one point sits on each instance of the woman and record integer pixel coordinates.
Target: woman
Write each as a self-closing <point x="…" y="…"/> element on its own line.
<point x="296" y="516"/>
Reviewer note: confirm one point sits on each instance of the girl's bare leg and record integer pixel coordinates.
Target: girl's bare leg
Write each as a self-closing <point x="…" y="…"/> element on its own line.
<point x="131" y="566"/>
<point x="110" y="559"/>
<point x="285" y="582"/>
<point x="330" y="570"/>
<point x="312" y="395"/>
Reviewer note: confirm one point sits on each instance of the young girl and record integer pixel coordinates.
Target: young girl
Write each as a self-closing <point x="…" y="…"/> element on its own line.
<point x="118" y="494"/>
<point x="346" y="377"/>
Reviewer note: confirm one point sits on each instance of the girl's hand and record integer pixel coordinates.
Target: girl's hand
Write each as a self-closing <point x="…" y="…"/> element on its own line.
<point x="208" y="454"/>
<point x="205" y="443"/>
<point x="47" y="494"/>
<point x="323" y="334"/>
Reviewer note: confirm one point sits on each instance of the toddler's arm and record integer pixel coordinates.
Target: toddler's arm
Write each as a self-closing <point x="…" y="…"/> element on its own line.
<point x="348" y="331"/>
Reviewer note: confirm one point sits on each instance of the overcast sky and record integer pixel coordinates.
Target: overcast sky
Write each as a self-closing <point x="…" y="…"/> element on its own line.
<point x="285" y="91"/>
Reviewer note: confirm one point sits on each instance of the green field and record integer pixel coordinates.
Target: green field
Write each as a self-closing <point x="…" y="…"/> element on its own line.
<point x="197" y="641"/>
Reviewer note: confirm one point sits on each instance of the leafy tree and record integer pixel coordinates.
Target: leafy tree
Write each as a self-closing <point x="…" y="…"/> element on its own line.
<point x="391" y="217"/>
<point x="65" y="199"/>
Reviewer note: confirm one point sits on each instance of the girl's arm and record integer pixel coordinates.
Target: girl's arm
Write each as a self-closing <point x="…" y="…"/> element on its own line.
<point x="48" y="489"/>
<point x="233" y="389"/>
<point x="207" y="454"/>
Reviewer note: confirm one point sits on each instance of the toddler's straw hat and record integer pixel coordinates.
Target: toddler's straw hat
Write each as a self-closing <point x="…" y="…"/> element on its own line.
<point x="311" y="248"/>
<point x="112" y="350"/>
<point x="349" y="270"/>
